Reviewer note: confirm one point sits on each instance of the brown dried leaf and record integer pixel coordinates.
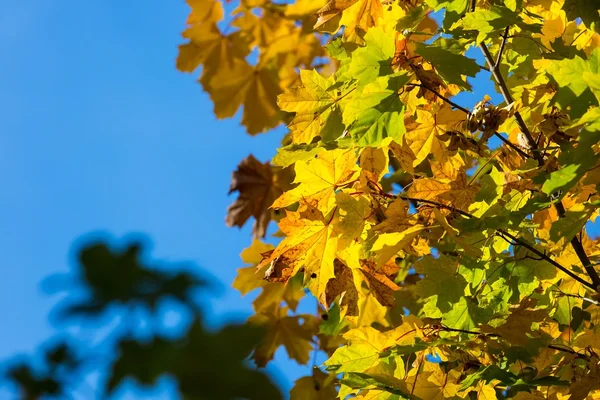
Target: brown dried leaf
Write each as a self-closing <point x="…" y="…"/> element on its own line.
<point x="258" y="187"/>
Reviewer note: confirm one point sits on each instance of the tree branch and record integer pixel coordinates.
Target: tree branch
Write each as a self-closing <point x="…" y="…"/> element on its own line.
<point x="514" y="146"/>
<point x="550" y="346"/>
<point x="568" y="350"/>
<point x="505" y="234"/>
<point x="577" y="246"/>
<point x="447" y="100"/>
<point x="504" y="37"/>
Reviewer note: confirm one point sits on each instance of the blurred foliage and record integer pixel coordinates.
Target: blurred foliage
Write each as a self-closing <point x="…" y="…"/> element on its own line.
<point x="108" y="281"/>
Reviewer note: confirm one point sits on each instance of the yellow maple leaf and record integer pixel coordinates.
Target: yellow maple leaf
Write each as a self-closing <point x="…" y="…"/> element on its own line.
<point x="422" y="135"/>
<point x="249" y="279"/>
<point x="204" y="12"/>
<point x="314" y="104"/>
<point x="397" y="218"/>
<point x="310" y="245"/>
<point x="357" y="16"/>
<point x="303" y="8"/>
<point x="374" y="164"/>
<point x="387" y="245"/>
<point x="353" y="214"/>
<point x="365" y="344"/>
<point x="293" y="332"/>
<point x="204" y="40"/>
<point x="262" y="31"/>
<point x="458" y="194"/>
<point x="428" y="381"/>
<point x="319" y="386"/>
<point x="319" y="178"/>
<point x="237" y="83"/>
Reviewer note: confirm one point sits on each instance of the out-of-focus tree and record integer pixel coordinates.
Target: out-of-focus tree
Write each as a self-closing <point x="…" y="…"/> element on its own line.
<point x="110" y="282"/>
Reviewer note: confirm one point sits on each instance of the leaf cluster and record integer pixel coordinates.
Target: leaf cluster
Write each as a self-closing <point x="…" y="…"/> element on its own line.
<point x="445" y="244"/>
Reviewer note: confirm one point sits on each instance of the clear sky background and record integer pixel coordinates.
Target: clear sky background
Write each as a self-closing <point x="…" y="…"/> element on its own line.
<point x="100" y="133"/>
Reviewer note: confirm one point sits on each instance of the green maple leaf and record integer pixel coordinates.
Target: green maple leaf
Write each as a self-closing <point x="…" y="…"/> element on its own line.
<point x="495" y="19"/>
<point x="575" y="77"/>
<point x="454" y="9"/>
<point x="571" y="224"/>
<point x="442" y="287"/>
<point x="466" y="315"/>
<point x="376" y="112"/>
<point x="375" y="58"/>
<point x="448" y="64"/>
<point x="586" y="10"/>
<point x="487" y="21"/>
<point x="317" y="108"/>
<point x="575" y="162"/>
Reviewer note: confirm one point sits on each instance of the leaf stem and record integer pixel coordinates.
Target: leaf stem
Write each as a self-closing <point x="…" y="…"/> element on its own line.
<point x="447" y="100"/>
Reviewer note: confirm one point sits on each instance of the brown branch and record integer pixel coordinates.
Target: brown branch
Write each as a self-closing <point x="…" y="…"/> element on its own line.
<point x="550" y="346"/>
<point x="532" y="144"/>
<point x="568" y="350"/>
<point x="529" y="247"/>
<point x="504" y="37"/>
<point x="447" y="100"/>
<point x="505" y="234"/>
<point x="509" y="100"/>
<point x="577" y="37"/>
<point x="512" y="145"/>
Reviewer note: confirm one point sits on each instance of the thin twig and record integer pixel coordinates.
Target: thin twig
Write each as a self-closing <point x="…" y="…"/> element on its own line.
<point x="448" y="329"/>
<point x="529" y="247"/>
<point x="509" y="100"/>
<point x="575" y="243"/>
<point x="537" y="43"/>
<point x="550" y="346"/>
<point x="579" y="297"/>
<point x="447" y="100"/>
<point x="505" y="234"/>
<point x="568" y="350"/>
<point x="577" y="37"/>
<point x="504" y="37"/>
<point x="514" y="146"/>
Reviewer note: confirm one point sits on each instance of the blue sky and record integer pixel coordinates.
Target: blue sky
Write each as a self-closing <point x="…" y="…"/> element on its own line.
<point x="99" y="132"/>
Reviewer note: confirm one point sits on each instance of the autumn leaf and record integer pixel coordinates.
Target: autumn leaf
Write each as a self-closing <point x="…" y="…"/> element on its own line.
<point x="449" y="65"/>
<point x="376" y="112"/>
<point x="423" y="135"/>
<point x="258" y="186"/>
<point x="310" y="245"/>
<point x="239" y="84"/>
<point x="357" y="16"/>
<point x="446" y="239"/>
<point x="293" y="332"/>
<point x="316" y="105"/>
<point x="319" y="386"/>
<point x="365" y="344"/>
<point x="273" y="292"/>
<point x="319" y="178"/>
<point x="459" y="194"/>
